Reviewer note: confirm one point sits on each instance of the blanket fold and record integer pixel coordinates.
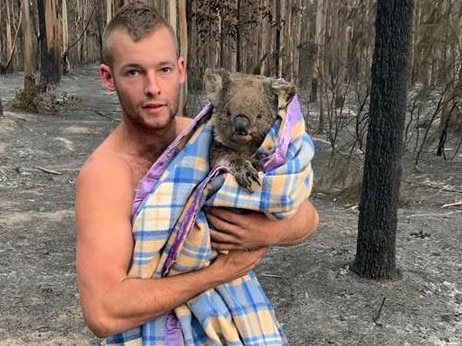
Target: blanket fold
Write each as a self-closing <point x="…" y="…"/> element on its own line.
<point x="172" y="235"/>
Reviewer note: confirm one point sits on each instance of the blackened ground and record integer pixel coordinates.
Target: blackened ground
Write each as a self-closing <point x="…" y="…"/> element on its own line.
<point x="316" y="297"/>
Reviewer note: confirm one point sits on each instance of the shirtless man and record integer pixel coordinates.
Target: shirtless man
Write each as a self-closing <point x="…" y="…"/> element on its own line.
<point x="142" y="66"/>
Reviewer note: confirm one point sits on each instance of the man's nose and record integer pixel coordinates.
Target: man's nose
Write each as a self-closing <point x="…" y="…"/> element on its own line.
<point x="152" y="87"/>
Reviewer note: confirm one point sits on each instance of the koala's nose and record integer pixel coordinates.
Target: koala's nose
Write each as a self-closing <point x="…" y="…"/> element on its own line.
<point x="241" y="124"/>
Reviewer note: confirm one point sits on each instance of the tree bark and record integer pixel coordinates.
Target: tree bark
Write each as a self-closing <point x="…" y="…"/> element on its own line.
<point x="297" y="40"/>
<point x="109" y="5"/>
<point x="183" y="51"/>
<point x="343" y="37"/>
<point x="307" y="56"/>
<point x="2" y="47"/>
<point x="29" y="79"/>
<point x="172" y="15"/>
<point x="238" y="37"/>
<point x="65" y="29"/>
<point x="286" y="56"/>
<point x="11" y="43"/>
<point x="320" y="80"/>
<point x="375" y="252"/>
<point x="268" y="41"/>
<point x="277" y="38"/>
<point x="9" y="36"/>
<point x="218" y="58"/>
<point x="50" y="45"/>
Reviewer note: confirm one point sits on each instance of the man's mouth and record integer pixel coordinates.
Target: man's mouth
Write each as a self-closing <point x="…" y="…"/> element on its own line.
<point x="153" y="105"/>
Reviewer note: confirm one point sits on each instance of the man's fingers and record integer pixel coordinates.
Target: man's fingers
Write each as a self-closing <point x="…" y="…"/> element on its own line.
<point x="223" y="237"/>
<point x="231" y="217"/>
<point x="219" y="224"/>
<point x="225" y="246"/>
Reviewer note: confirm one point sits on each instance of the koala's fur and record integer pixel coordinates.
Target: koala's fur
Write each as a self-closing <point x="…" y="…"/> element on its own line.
<point x="244" y="109"/>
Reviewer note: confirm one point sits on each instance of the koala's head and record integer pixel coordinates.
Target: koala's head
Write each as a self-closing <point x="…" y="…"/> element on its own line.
<point x="245" y="106"/>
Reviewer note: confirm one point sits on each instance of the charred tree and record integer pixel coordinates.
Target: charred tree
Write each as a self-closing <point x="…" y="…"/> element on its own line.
<point x="277" y="37"/>
<point x="50" y="46"/>
<point x="65" y="32"/>
<point x="319" y="83"/>
<point x="375" y="252"/>
<point x="183" y="29"/>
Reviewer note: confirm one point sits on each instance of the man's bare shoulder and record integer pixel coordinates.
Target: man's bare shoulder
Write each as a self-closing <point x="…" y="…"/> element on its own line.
<point x="104" y="160"/>
<point x="105" y="168"/>
<point x="104" y="195"/>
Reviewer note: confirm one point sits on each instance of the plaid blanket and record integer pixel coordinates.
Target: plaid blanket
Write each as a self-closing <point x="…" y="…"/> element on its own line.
<point x="172" y="234"/>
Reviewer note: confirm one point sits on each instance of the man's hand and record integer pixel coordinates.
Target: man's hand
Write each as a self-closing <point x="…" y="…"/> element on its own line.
<point x="239" y="231"/>
<point x="237" y="263"/>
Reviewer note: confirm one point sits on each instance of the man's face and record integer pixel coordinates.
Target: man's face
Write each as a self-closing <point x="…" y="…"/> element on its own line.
<point x="147" y="76"/>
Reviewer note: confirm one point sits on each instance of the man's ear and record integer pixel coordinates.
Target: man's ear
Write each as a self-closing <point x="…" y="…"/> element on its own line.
<point x="107" y="77"/>
<point x="182" y="69"/>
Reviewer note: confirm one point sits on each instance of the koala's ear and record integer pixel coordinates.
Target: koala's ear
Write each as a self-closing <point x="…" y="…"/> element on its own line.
<point x="216" y="81"/>
<point x="284" y="91"/>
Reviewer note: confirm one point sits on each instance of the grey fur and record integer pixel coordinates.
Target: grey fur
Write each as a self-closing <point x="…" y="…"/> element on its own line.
<point x="244" y="109"/>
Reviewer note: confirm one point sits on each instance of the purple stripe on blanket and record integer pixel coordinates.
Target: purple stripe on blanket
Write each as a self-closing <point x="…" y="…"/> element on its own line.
<point x="278" y="157"/>
<point x="173" y="332"/>
<point x="190" y="216"/>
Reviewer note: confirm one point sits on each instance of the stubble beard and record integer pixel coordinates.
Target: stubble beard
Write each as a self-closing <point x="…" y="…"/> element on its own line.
<point x="135" y="114"/>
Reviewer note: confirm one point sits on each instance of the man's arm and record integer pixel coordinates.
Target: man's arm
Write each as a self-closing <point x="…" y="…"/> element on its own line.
<point x="111" y="301"/>
<point x="232" y="231"/>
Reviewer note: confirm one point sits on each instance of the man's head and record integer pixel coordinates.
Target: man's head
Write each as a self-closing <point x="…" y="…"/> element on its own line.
<point x="142" y="65"/>
<point x="138" y="20"/>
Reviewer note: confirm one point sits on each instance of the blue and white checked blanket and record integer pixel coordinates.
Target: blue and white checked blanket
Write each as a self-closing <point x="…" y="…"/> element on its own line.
<point x="172" y="234"/>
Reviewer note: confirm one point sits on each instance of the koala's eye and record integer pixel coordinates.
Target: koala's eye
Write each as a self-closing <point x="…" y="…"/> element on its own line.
<point x="259" y="116"/>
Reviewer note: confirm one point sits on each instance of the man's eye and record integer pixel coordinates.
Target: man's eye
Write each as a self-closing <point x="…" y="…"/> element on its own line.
<point x="132" y="73"/>
<point x="166" y="70"/>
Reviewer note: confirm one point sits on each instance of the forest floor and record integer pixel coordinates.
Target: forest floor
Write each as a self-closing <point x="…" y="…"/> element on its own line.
<point x="316" y="297"/>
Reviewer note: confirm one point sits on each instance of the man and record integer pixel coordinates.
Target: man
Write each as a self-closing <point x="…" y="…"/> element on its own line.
<point x="141" y="64"/>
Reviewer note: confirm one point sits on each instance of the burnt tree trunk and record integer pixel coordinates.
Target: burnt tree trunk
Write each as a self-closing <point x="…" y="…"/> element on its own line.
<point x="319" y="85"/>
<point x="65" y="31"/>
<point x="183" y="28"/>
<point x="375" y="252"/>
<point x="277" y="37"/>
<point x="50" y="47"/>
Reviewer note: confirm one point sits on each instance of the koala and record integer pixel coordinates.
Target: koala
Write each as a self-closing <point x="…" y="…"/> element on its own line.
<point x="244" y="109"/>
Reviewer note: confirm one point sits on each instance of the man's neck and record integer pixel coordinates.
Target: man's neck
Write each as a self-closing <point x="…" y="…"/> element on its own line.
<point x="145" y="143"/>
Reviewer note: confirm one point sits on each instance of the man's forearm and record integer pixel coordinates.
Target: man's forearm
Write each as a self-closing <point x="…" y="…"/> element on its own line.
<point x="134" y="301"/>
<point x="299" y="227"/>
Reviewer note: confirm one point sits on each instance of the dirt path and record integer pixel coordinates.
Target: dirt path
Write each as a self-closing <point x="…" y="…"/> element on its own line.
<point x="319" y="301"/>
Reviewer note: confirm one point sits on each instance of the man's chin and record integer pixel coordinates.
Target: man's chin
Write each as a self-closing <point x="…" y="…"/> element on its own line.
<point x="158" y="123"/>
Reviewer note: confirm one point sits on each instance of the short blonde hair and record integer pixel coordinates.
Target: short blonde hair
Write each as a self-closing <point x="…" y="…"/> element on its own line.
<point x="138" y="20"/>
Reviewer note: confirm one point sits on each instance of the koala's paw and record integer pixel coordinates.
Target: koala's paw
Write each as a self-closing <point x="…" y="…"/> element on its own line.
<point x="247" y="176"/>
